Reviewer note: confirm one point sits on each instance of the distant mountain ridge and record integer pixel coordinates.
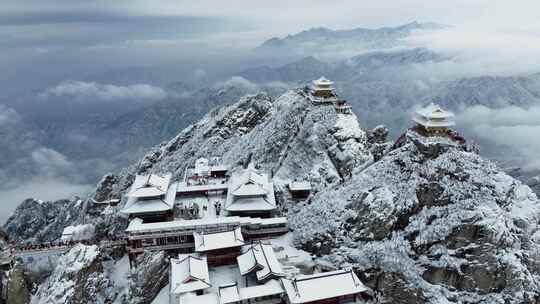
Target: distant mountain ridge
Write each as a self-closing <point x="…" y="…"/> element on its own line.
<point x="321" y="38"/>
<point x="363" y="66"/>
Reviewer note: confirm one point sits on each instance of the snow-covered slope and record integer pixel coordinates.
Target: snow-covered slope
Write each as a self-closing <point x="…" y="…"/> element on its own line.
<point x="430" y="225"/>
<point x="288" y="136"/>
<point x="83" y="276"/>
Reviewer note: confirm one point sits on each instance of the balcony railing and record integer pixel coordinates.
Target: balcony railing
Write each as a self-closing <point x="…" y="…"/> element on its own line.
<point x="161" y="247"/>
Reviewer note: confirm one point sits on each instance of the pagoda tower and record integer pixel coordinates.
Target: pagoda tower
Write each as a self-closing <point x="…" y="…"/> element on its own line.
<point x="322" y="90"/>
<point x="433" y="120"/>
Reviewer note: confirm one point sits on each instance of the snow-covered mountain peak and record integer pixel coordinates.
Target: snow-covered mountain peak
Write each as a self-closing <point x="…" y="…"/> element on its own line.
<point x="287" y="135"/>
<point x="428" y="221"/>
<point x="442" y="226"/>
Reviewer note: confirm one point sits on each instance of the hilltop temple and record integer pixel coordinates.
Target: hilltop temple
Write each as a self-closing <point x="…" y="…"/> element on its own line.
<point x="433" y="120"/>
<point x="434" y="124"/>
<point x="322" y="91"/>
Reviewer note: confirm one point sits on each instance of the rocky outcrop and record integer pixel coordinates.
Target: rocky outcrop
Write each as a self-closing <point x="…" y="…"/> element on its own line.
<point x="79" y="278"/>
<point x="37" y="221"/>
<point x="428" y="224"/>
<point x="19" y="287"/>
<point x="151" y="275"/>
<point x="105" y="188"/>
<point x="378" y="140"/>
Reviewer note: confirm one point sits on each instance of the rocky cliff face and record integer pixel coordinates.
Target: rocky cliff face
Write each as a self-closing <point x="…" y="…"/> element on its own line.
<point x="425" y="225"/>
<point x="19" y="287"/>
<point x="151" y="276"/>
<point x="82" y="276"/>
<point x="37" y="221"/>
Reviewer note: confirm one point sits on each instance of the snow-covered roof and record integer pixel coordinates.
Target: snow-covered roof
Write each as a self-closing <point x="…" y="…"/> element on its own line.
<point x="252" y="204"/>
<point x="250" y="190"/>
<point x="259" y="257"/>
<point x="322" y="81"/>
<point x="201" y="166"/>
<point x="228" y="293"/>
<point x="151" y="185"/>
<point x="434" y="116"/>
<point x="218" y="240"/>
<point x="68" y="230"/>
<point x="189" y="273"/>
<point x="191" y="298"/>
<point x="135" y="205"/>
<point x="137" y="225"/>
<point x="434" y="111"/>
<point x="270" y="288"/>
<point x="300" y="186"/>
<point x="433" y="123"/>
<point x="219" y="168"/>
<point x="309" y="288"/>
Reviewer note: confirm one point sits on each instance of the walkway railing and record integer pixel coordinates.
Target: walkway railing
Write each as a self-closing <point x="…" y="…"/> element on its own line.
<point x="25" y="250"/>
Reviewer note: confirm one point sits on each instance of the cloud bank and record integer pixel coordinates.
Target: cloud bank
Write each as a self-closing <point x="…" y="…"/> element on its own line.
<point x="53" y="177"/>
<point x="479" y="52"/>
<point x="80" y="90"/>
<point x="8" y="116"/>
<point x="511" y="127"/>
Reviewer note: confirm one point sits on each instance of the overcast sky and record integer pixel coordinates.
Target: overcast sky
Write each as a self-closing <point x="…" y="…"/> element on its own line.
<point x="298" y="14"/>
<point x="44" y="42"/>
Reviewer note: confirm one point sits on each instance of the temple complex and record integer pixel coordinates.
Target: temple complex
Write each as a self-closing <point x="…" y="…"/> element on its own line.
<point x="217" y="226"/>
<point x="258" y="278"/>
